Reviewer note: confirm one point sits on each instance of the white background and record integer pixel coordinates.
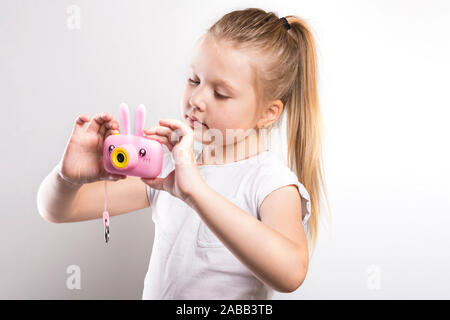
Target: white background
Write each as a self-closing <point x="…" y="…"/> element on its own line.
<point x="384" y="80"/>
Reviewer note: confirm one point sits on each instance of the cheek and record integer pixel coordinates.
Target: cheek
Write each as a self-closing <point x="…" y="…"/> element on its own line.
<point x="234" y="118"/>
<point x="225" y="122"/>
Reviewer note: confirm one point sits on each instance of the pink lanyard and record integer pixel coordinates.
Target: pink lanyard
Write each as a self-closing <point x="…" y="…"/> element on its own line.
<point x="106" y="218"/>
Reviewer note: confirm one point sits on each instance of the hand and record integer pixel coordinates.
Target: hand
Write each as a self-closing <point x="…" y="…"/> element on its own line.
<point x="179" y="139"/>
<point x="82" y="161"/>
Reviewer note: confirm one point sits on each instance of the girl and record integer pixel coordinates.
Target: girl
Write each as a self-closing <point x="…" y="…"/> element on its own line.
<point x="228" y="224"/>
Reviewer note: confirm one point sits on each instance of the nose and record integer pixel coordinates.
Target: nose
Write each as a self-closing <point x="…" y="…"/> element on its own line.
<point x="197" y="100"/>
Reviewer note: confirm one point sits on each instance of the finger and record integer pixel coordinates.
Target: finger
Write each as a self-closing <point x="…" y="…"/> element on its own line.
<point x="110" y="132"/>
<point x="113" y="177"/>
<point x="160" y="130"/>
<point x="105" y="175"/>
<point x="111" y="125"/>
<point x="171" y="123"/>
<point x="155" y="183"/>
<point x="173" y="130"/>
<point x="79" y="124"/>
<point x="97" y="122"/>
<point x="164" y="140"/>
<point x="175" y="124"/>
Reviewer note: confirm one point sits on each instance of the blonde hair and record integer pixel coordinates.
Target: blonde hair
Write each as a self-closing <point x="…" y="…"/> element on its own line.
<point x="289" y="73"/>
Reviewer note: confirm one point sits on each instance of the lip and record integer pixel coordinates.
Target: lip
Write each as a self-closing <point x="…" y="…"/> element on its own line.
<point x="192" y="119"/>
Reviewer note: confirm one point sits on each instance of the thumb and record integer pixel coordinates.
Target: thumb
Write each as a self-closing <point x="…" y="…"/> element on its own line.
<point x="155" y="183"/>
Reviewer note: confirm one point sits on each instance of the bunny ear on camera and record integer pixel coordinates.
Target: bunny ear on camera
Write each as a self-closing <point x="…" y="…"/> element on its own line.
<point x="140" y="120"/>
<point x="124" y="118"/>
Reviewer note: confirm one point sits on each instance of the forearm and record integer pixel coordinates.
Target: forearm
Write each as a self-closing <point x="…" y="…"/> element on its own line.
<point x="272" y="257"/>
<point x="56" y="197"/>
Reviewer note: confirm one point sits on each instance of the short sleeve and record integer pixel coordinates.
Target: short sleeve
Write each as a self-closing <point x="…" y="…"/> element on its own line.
<point x="274" y="179"/>
<point x="150" y="194"/>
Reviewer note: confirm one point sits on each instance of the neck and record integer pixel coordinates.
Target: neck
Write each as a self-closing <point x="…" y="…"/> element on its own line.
<point x="247" y="147"/>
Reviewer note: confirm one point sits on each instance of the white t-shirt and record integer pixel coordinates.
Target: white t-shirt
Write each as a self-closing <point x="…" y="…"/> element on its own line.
<point x="188" y="261"/>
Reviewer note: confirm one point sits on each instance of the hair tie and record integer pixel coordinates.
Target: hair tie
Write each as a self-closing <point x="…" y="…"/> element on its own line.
<point x="286" y="24"/>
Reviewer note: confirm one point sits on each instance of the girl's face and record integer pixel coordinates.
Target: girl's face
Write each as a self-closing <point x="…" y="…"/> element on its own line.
<point x="219" y="91"/>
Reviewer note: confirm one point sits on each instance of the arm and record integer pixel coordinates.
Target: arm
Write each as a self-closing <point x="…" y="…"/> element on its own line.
<point x="61" y="201"/>
<point x="275" y="248"/>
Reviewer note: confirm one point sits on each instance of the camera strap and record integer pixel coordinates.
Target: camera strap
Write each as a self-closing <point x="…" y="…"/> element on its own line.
<point x="106" y="217"/>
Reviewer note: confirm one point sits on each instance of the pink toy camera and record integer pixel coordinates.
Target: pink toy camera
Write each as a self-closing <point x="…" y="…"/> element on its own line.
<point x="132" y="155"/>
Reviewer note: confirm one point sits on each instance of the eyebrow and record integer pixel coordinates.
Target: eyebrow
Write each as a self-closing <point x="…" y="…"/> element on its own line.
<point x="220" y="82"/>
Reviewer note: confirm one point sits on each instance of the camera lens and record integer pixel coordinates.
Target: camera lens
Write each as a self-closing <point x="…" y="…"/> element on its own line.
<point x="120" y="157"/>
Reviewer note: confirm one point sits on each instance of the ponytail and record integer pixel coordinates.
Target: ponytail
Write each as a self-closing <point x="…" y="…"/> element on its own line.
<point x="304" y="122"/>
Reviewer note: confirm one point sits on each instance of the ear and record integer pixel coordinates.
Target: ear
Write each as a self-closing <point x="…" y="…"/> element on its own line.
<point x="124" y="118"/>
<point x="270" y="114"/>
<point x="140" y="121"/>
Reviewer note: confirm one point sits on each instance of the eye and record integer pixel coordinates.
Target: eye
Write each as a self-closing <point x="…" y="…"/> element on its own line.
<point x="218" y="95"/>
<point x="142" y="152"/>
<point x="111" y="148"/>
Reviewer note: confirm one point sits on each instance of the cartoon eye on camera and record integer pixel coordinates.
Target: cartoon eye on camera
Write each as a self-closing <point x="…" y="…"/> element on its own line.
<point x="132" y="155"/>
